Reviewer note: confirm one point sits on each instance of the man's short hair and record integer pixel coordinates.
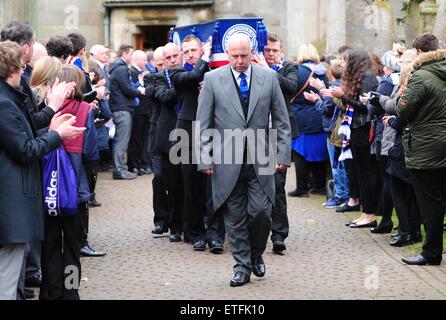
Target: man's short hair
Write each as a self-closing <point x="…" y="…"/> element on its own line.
<point x="190" y="38"/>
<point x="20" y="32"/>
<point x="273" y="37"/>
<point x="426" y="42"/>
<point x="59" y="47"/>
<point x="124" y="48"/>
<point x="79" y="42"/>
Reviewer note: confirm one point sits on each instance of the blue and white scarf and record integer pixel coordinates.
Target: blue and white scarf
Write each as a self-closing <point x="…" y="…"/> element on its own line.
<point x="169" y="83"/>
<point x="345" y="131"/>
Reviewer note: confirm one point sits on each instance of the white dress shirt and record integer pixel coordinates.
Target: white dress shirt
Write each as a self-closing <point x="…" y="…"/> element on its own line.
<point x="247" y="73"/>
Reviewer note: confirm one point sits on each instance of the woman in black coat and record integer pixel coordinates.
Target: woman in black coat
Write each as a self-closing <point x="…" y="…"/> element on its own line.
<point x="21" y="209"/>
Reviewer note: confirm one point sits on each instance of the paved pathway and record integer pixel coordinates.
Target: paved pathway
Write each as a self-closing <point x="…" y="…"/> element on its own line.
<point x="324" y="260"/>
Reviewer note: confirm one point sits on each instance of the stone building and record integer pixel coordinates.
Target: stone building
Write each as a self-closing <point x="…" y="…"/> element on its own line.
<point x="145" y="24"/>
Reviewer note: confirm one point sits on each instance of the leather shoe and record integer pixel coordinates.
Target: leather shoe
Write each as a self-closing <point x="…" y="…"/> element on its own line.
<point x="298" y="194"/>
<point x="258" y="267"/>
<point x="382" y="228"/>
<point x="158" y="229"/>
<point x="87" y="251"/>
<point x="216" y="246"/>
<point x="35" y="281"/>
<point x="93" y="203"/>
<point x="124" y="176"/>
<point x="175" y="237"/>
<point x="346" y="208"/>
<point x="401" y="241"/>
<point x="372" y="224"/>
<point x="29" y="294"/>
<point x="199" y="245"/>
<point x="278" y="245"/>
<point x="419" y="260"/>
<point x="240" y="279"/>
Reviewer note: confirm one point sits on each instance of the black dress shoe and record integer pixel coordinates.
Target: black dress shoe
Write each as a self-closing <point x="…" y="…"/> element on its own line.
<point x="158" y="229"/>
<point x="372" y="224"/>
<point x="298" y="194"/>
<point x="175" y="237"/>
<point x="216" y="246"/>
<point x="93" y="203"/>
<point x="29" y="294"/>
<point x="240" y="279"/>
<point x="401" y="241"/>
<point x="87" y="251"/>
<point x="278" y="245"/>
<point x="35" y="281"/>
<point x="383" y="228"/>
<point x="419" y="260"/>
<point x="258" y="267"/>
<point x="346" y="208"/>
<point x="200" y="245"/>
<point x="124" y="176"/>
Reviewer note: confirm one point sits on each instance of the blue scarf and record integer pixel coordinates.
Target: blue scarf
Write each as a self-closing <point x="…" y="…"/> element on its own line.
<point x="277" y="67"/>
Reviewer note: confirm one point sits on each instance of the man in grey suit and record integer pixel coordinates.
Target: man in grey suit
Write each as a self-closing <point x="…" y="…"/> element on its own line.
<point x="241" y="98"/>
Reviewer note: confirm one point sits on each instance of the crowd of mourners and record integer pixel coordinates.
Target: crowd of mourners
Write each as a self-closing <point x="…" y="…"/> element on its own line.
<point x="367" y="131"/>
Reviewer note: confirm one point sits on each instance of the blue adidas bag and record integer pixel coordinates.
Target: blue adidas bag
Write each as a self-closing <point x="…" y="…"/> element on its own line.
<point x="60" y="184"/>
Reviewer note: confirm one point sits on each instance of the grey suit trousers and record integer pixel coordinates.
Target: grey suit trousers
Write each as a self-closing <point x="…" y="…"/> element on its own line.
<point x="247" y="216"/>
<point x="11" y="260"/>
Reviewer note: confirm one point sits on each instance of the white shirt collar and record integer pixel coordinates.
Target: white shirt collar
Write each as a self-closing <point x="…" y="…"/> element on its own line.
<point x="100" y="64"/>
<point x="247" y="73"/>
<point x="137" y="68"/>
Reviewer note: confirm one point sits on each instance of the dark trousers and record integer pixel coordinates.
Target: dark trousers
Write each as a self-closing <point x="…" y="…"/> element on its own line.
<point x="175" y="194"/>
<point x="91" y="170"/>
<point x="429" y="186"/>
<point x="160" y="198"/>
<point x="84" y="223"/>
<point x="33" y="263"/>
<point x="406" y="207"/>
<point x="303" y="169"/>
<point x="61" y="259"/>
<point x="366" y="170"/>
<point x="215" y="224"/>
<point x="353" y="182"/>
<point x="138" y="156"/>
<point x="279" y="216"/>
<point x="194" y="201"/>
<point x="247" y="215"/>
<point x="385" y="207"/>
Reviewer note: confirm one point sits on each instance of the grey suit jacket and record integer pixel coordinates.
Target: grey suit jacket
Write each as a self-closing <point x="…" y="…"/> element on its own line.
<point x="219" y="108"/>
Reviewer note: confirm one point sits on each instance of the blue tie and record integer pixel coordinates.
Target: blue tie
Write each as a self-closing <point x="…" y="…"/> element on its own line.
<point x="244" y="89"/>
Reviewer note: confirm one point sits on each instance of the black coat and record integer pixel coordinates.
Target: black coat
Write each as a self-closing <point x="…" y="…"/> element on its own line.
<point x="187" y="84"/>
<point x="167" y="119"/>
<point x="122" y="92"/>
<point x="288" y="80"/>
<point x="21" y="212"/>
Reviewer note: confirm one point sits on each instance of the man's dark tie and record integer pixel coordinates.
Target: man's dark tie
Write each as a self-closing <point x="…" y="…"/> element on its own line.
<point x="244" y="89"/>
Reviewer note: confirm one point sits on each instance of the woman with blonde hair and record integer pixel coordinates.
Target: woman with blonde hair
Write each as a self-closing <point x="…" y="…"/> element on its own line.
<point x="43" y="75"/>
<point x="310" y="149"/>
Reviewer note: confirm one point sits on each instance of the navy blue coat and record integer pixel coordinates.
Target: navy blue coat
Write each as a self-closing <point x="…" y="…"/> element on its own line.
<point x="122" y="91"/>
<point x="21" y="210"/>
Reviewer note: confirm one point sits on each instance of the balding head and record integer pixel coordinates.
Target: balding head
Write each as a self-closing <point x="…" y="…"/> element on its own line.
<point x="39" y="52"/>
<point x="158" y="58"/>
<point x="172" y="56"/>
<point x="239" y="52"/>
<point x="139" y="59"/>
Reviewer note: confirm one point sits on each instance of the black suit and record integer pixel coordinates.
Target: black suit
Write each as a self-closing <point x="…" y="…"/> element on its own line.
<point x="288" y="80"/>
<point x="168" y="99"/>
<point x="187" y="86"/>
<point x="138" y="155"/>
<point x="160" y="181"/>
